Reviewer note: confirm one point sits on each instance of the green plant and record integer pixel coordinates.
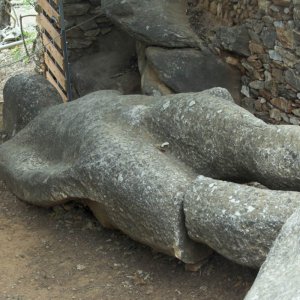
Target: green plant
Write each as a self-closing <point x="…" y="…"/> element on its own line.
<point x="16" y="53"/>
<point x="29" y="3"/>
<point x="30" y="36"/>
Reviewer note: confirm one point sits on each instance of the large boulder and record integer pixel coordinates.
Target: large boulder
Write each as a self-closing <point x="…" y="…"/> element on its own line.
<point x="157" y="22"/>
<point x="191" y="70"/>
<point x="279" y="277"/>
<point x="135" y="160"/>
<point x="25" y="96"/>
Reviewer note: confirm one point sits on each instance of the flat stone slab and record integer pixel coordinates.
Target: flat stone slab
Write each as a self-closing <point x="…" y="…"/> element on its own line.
<point x="157" y="22"/>
<point x="191" y="70"/>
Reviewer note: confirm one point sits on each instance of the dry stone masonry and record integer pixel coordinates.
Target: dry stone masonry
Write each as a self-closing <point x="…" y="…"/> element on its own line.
<point x="83" y="37"/>
<point x="102" y="57"/>
<point x="250" y="47"/>
<point x="261" y="38"/>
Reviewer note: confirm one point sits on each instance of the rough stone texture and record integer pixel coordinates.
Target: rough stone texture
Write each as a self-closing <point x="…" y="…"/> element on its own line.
<point x="25" y="96"/>
<point x="151" y="84"/>
<point x="242" y="222"/>
<point x="221" y="140"/>
<point x="92" y="26"/>
<point x="157" y="22"/>
<point x="141" y="191"/>
<point x="260" y="38"/>
<point x="235" y="39"/>
<point x="190" y="70"/>
<point x="136" y="160"/>
<point x="101" y="56"/>
<point x="4" y="16"/>
<point x="150" y="81"/>
<point x="279" y="277"/>
<point x="112" y="66"/>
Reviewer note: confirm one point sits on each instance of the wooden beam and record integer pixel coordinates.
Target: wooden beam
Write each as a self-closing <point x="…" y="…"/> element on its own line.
<point x="54" y="83"/>
<point x="50" y="11"/>
<point x="55" y="71"/>
<point x="45" y="24"/>
<point x="53" y="51"/>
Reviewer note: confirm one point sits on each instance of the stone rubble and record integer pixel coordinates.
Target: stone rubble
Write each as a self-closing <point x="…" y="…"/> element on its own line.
<point x="262" y="39"/>
<point x="259" y="38"/>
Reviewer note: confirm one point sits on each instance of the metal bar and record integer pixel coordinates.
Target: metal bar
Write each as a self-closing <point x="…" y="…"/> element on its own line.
<point x="13" y="44"/>
<point x="65" y="49"/>
<point x="22" y="32"/>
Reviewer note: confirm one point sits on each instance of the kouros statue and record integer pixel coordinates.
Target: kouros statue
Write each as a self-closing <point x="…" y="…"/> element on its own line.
<point x="172" y="172"/>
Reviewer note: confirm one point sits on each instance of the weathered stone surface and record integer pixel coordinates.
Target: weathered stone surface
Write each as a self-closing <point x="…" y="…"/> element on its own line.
<point x="223" y="141"/>
<point x="242" y="222"/>
<point x="279" y="277"/>
<point x="190" y="70"/>
<point x="112" y="66"/>
<point x="293" y="79"/>
<point x="151" y="84"/>
<point x="158" y="22"/>
<point x="235" y="39"/>
<point x="76" y="9"/>
<point x="25" y="96"/>
<point x="259" y="38"/>
<point x="108" y="150"/>
<point x="109" y="162"/>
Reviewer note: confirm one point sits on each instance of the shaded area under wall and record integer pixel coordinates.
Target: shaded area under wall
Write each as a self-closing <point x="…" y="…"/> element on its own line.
<point x="113" y="65"/>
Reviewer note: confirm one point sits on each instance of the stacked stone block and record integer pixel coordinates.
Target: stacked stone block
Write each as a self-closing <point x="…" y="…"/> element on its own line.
<point x="92" y="22"/>
<point x="262" y="39"/>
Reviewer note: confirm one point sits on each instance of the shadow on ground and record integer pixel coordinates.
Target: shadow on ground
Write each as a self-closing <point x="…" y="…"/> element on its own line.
<point x="63" y="253"/>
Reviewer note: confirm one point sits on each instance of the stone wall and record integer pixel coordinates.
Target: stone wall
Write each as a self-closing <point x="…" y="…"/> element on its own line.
<point x="261" y="38"/>
<point x="102" y="57"/>
<point x="94" y="25"/>
<point x="257" y="38"/>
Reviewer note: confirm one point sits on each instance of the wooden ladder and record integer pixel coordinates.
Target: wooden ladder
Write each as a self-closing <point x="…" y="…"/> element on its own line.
<point x="52" y="24"/>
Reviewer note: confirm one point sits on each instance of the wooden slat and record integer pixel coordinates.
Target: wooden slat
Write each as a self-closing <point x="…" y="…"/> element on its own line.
<point x="53" y="50"/>
<point x="45" y="24"/>
<point x="54" y="83"/>
<point x="55" y="71"/>
<point x="49" y="10"/>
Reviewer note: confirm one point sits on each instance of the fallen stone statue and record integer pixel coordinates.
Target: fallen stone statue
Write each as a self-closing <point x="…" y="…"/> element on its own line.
<point x="169" y="171"/>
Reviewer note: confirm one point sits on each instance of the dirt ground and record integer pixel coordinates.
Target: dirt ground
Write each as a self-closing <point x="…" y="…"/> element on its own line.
<point x="63" y="253"/>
